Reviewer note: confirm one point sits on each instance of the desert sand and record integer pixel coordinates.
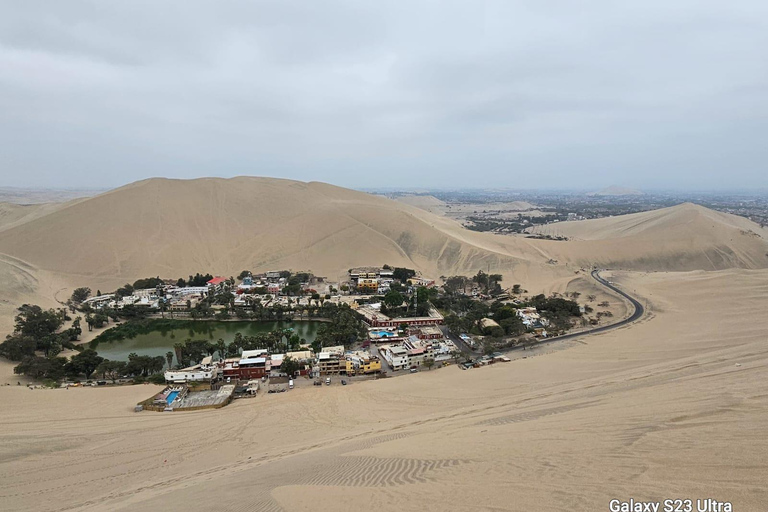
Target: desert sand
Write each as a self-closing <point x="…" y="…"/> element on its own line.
<point x="673" y="406"/>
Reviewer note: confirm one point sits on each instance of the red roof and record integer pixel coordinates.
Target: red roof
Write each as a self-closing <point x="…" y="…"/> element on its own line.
<point x="217" y="280"/>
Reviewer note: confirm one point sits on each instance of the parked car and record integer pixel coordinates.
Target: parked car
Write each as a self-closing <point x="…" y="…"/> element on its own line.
<point x="318" y="383"/>
<point x="414" y="370"/>
<point x="343" y="382"/>
<point x="327" y="381"/>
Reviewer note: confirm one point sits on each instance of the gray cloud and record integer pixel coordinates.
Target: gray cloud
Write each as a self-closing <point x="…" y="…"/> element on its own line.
<point x="648" y="94"/>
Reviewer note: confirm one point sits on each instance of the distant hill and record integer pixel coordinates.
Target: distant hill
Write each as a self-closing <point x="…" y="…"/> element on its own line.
<point x="682" y="237"/>
<point x="614" y="190"/>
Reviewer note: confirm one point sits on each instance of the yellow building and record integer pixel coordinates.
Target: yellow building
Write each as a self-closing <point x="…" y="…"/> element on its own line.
<point x="362" y="363"/>
<point x="368" y="284"/>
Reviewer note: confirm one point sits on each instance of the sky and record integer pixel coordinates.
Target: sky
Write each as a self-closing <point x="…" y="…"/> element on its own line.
<point x="530" y="94"/>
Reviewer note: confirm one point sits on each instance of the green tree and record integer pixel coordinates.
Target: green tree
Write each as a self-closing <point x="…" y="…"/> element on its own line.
<point x="289" y="366"/>
<point x="428" y="363"/>
<point x="42" y="367"/>
<point x="75" y="331"/>
<point x="84" y="363"/>
<point x="80" y="294"/>
<point x="17" y="347"/>
<point x="455" y="283"/>
<point x="112" y="370"/>
<point x="169" y="359"/>
<point x="221" y="347"/>
<point x="393" y="299"/>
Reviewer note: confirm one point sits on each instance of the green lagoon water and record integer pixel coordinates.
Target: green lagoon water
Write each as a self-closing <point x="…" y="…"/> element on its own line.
<point x="157" y="343"/>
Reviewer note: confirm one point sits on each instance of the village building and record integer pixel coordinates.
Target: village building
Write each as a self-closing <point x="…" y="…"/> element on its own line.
<point x="488" y="323"/>
<point x="375" y="318"/>
<point x="362" y="363"/>
<point x="217" y="284"/>
<point x="396" y="356"/>
<point x="206" y="371"/>
<point x="331" y="361"/>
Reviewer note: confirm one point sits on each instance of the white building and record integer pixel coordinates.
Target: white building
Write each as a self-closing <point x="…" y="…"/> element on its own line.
<point x="396" y="356"/>
<point x="190" y="290"/>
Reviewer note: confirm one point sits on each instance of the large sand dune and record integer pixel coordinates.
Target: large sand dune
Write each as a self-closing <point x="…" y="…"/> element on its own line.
<point x="172" y="227"/>
<point x="674" y="406"/>
<point x="682" y="237"/>
<point x="175" y="227"/>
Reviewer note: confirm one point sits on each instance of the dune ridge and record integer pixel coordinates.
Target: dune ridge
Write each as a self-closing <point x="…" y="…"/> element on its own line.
<point x="172" y="228"/>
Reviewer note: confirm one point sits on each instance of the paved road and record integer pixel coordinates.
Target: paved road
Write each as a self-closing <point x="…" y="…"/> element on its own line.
<point x="639" y="311"/>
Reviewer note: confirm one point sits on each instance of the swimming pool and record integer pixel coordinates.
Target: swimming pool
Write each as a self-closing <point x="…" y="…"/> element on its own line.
<point x="171" y="396"/>
<point x="383" y="334"/>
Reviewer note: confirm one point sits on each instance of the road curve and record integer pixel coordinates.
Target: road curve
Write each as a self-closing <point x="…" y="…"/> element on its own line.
<point x="639" y="311"/>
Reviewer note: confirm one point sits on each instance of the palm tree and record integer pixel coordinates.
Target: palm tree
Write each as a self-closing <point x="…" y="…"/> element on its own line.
<point x="169" y="359"/>
<point x="179" y="350"/>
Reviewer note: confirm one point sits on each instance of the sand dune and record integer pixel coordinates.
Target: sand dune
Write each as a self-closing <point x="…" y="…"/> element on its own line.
<point x="176" y="227"/>
<point x="12" y="215"/>
<point x="429" y="203"/>
<point x="683" y="237"/>
<point x="173" y="227"/>
<point x="674" y="406"/>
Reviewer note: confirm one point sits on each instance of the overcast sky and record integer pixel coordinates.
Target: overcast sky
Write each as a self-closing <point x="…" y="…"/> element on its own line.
<point x="654" y="93"/>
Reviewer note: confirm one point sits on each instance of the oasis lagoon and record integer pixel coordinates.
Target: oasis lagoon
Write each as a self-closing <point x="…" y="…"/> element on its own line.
<point x="159" y="342"/>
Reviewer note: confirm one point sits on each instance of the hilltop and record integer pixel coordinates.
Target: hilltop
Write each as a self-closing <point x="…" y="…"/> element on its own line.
<point x="682" y="237"/>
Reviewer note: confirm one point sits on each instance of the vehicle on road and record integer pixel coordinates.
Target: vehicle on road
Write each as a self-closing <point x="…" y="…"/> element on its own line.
<point x="343" y="382"/>
<point x="290" y="384"/>
<point x="414" y="370"/>
<point x="327" y="381"/>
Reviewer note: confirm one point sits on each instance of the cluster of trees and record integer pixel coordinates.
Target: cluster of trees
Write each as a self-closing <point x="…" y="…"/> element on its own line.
<point x="149" y="282"/>
<point x="192" y="351"/>
<point x="415" y="304"/>
<point x="37" y="330"/>
<point x="196" y="280"/>
<point x="402" y="274"/>
<point x="345" y="328"/>
<point x="465" y="314"/>
<point x="80" y="295"/>
<point x="488" y="283"/>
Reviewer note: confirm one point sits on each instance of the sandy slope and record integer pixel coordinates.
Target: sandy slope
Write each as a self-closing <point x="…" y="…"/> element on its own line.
<point x="682" y="237"/>
<point x="429" y="203"/>
<point x="16" y="214"/>
<point x="674" y="406"/>
<point x="176" y="227"/>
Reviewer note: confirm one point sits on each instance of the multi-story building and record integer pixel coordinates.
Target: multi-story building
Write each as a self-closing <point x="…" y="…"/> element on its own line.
<point x="396" y="356"/>
<point x="331" y="361"/>
<point x="362" y="362"/>
<point x="216" y="284"/>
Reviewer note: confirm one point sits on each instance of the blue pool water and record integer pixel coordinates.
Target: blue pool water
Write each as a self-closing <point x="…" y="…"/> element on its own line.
<point x="171" y="396"/>
<point x="383" y="334"/>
